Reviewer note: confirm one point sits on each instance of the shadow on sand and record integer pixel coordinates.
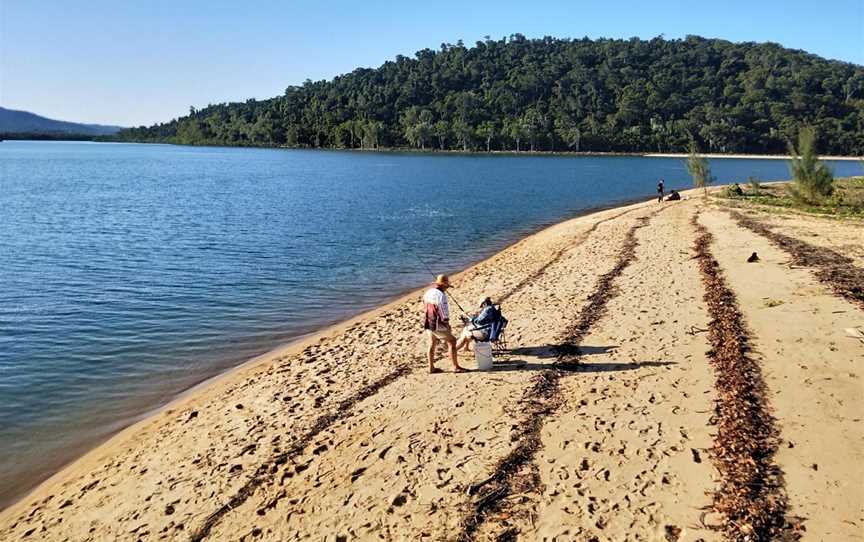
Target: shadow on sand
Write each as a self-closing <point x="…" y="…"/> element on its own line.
<point x="522" y="365"/>
<point x="511" y="361"/>
<point x="549" y="351"/>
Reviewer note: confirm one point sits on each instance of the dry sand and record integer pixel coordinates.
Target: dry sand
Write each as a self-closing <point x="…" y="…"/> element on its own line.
<point x="345" y="436"/>
<point x="844" y="236"/>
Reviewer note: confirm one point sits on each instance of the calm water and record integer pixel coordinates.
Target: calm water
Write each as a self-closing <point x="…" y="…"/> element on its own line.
<point x="128" y="273"/>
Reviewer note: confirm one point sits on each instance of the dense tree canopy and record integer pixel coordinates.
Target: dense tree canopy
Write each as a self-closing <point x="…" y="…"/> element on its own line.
<point x="555" y="94"/>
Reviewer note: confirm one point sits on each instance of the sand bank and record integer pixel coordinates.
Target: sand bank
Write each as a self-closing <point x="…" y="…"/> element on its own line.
<point x="600" y="426"/>
<point x="746" y="156"/>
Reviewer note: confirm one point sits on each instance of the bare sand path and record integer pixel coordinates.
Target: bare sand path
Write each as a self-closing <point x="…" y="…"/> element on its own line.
<point x="625" y="460"/>
<point x="844" y="236"/>
<point x="624" y="457"/>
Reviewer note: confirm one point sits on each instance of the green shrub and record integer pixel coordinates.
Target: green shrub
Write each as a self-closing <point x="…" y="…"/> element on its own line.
<point x="730" y="192"/>
<point x="813" y="179"/>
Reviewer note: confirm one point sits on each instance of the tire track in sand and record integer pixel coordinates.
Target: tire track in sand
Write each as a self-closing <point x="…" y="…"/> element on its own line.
<point x="541" y="400"/>
<point x="751" y="498"/>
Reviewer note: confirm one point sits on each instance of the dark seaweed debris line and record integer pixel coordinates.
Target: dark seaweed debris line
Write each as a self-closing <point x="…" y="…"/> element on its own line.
<point x="266" y="472"/>
<point x="751" y="496"/>
<point x="541" y="400"/>
<point x="831" y="268"/>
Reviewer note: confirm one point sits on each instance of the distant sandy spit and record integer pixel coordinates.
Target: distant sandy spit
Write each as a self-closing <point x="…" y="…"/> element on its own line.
<point x="586" y="154"/>
<point x="598" y="424"/>
<point x="747" y="156"/>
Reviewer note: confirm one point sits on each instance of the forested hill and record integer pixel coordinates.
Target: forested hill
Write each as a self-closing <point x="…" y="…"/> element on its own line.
<point x="556" y="94"/>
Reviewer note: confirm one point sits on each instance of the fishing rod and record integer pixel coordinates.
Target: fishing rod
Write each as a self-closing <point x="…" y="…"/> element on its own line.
<point x="429" y="269"/>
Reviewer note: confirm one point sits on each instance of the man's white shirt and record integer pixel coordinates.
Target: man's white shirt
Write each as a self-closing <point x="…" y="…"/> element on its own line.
<point x="436" y="297"/>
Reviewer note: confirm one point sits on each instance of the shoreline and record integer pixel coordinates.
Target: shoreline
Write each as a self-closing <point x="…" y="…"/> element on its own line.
<point x="285" y="349"/>
<point x="449" y="152"/>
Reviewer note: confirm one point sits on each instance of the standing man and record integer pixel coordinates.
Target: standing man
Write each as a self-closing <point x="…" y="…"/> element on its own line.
<point x="437" y="322"/>
<point x="660" y="191"/>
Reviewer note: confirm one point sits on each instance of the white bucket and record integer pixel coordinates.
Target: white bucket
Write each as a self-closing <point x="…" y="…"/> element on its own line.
<point x="483" y="355"/>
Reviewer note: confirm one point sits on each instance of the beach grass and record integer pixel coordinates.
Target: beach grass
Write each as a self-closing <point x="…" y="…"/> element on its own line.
<point x="846" y="202"/>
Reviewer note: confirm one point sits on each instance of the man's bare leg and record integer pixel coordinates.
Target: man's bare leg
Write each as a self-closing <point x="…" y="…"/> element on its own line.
<point x="454" y="356"/>
<point x="430" y="354"/>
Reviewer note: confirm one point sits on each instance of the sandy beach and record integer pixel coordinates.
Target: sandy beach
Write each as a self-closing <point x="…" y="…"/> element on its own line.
<point x="658" y="387"/>
<point x="745" y="156"/>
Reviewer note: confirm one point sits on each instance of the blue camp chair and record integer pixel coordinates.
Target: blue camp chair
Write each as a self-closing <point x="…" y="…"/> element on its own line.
<point x="498" y="334"/>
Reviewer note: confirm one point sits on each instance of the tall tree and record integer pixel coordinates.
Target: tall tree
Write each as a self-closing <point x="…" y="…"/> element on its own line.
<point x="442" y="132"/>
<point x="698" y="168"/>
<point x="488" y="130"/>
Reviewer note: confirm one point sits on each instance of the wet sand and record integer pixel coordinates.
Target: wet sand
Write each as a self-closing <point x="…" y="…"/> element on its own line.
<point x="601" y="423"/>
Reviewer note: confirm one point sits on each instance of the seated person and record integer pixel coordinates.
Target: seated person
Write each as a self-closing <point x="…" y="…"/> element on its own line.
<point x="673" y="196"/>
<point x="478" y="326"/>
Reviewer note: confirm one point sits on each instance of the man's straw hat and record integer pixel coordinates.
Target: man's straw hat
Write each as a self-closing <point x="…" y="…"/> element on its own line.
<point x="442" y="280"/>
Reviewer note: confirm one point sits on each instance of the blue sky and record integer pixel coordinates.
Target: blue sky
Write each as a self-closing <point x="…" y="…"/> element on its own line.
<point x="131" y="63"/>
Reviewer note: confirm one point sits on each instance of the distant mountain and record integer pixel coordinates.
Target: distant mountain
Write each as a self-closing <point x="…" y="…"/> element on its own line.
<point x="12" y="122"/>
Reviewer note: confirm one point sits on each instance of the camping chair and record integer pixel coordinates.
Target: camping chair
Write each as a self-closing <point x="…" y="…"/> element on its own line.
<point x="498" y="335"/>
